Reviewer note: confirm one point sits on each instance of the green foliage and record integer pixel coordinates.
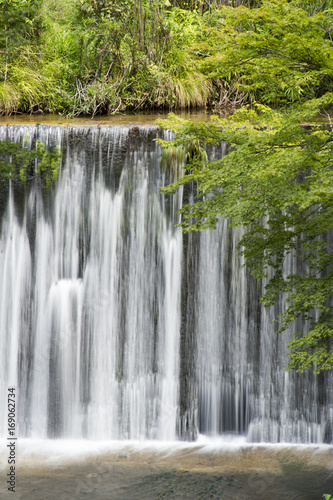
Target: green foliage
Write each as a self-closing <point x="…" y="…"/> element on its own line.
<point x="18" y="162"/>
<point x="327" y="496"/>
<point x="21" y="86"/>
<point x="140" y="57"/>
<point x="97" y="57"/>
<point x="24" y="89"/>
<point x="176" y="80"/>
<point x="20" y="24"/>
<point x="276" y="181"/>
<point x="315" y="6"/>
<point x="84" y="56"/>
<point x="20" y="27"/>
<point x="101" y="57"/>
<point x="60" y="12"/>
<point x="276" y="54"/>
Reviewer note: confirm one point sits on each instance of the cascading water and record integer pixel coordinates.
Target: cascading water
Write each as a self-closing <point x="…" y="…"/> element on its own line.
<point x="92" y="316"/>
<point x="115" y="326"/>
<point x="243" y="385"/>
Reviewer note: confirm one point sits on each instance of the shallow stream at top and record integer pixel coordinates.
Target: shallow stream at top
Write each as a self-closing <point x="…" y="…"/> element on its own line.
<point x="148" y="118"/>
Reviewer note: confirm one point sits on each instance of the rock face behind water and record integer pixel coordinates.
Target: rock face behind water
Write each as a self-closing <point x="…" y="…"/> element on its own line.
<point x="114" y="325"/>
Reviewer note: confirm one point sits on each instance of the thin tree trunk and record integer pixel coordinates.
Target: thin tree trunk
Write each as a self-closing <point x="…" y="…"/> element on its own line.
<point x="6" y="70"/>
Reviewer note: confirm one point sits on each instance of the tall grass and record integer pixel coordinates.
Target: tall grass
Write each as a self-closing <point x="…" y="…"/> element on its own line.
<point x="24" y="90"/>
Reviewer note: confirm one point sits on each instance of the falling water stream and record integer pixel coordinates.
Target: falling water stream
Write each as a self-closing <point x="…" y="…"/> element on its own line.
<point x="115" y="326"/>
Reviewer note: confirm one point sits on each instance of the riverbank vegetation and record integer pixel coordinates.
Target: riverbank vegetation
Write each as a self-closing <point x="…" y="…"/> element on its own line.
<point x="95" y="57"/>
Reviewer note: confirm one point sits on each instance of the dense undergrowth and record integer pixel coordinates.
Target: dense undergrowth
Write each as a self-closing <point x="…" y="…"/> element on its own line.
<point x="104" y="56"/>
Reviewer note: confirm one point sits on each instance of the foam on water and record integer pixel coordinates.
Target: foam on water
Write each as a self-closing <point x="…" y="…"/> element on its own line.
<point x="45" y="453"/>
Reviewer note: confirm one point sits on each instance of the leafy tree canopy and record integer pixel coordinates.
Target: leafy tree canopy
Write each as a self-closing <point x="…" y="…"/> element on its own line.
<point x="277" y="53"/>
<point x="276" y="181"/>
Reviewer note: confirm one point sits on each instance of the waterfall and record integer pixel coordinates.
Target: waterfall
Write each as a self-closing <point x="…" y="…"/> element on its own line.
<point x="114" y="325"/>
